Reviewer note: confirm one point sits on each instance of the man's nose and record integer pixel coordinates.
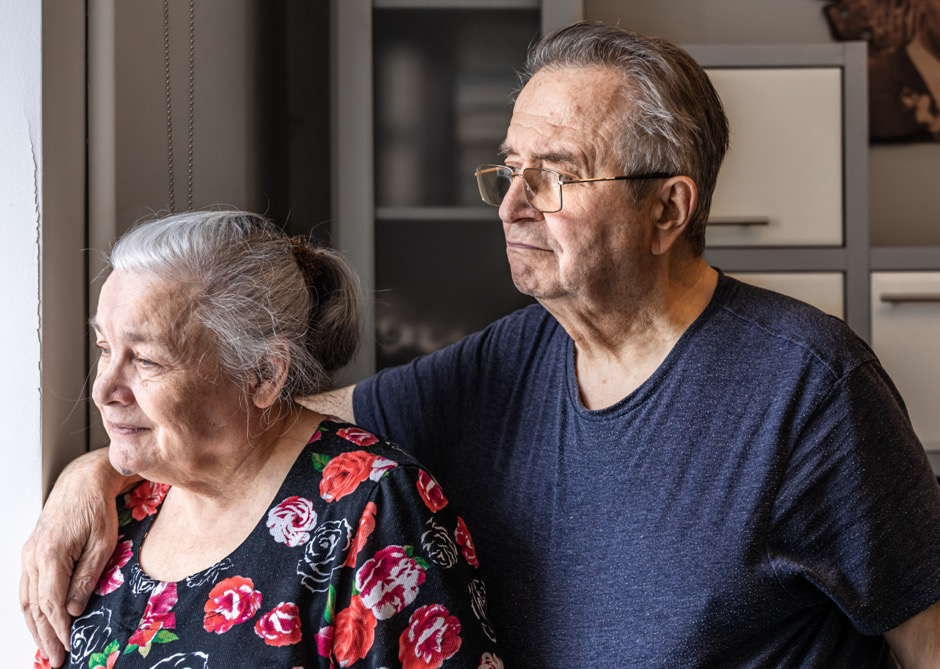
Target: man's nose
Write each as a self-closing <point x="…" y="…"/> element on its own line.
<point x="515" y="207"/>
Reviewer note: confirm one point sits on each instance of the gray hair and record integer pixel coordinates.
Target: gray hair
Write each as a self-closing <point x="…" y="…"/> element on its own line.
<point x="674" y="119"/>
<point x="261" y="295"/>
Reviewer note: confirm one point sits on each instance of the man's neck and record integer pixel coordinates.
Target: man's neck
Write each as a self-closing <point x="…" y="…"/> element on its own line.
<point x="619" y="344"/>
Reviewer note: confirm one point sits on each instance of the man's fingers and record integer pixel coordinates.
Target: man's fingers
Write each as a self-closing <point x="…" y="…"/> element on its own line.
<point x="24" y="605"/>
<point x="88" y="571"/>
<point x="48" y="640"/>
<point x="52" y="588"/>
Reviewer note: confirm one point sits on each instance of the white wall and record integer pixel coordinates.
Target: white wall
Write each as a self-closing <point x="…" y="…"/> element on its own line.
<point x="20" y="190"/>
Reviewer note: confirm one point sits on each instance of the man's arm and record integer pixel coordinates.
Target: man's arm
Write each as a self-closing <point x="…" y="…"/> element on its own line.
<point x="68" y="549"/>
<point x="916" y="643"/>
<point x="76" y="534"/>
<point x="337" y="403"/>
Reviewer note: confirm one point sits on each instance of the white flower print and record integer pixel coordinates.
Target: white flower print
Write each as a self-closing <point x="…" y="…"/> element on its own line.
<point x="210" y="575"/>
<point x="439" y="546"/>
<point x="88" y="633"/>
<point x="140" y="582"/>
<point x="478" y="604"/>
<point x="290" y="521"/>
<point x="325" y="553"/>
<point x="184" y="661"/>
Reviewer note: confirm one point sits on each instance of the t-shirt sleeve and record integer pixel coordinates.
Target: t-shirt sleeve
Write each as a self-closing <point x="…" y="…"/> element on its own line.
<point x="416" y="597"/>
<point x="857" y="515"/>
<point x="415" y="404"/>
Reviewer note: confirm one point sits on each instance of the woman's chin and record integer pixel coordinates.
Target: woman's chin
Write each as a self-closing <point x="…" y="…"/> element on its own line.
<point x="123" y="461"/>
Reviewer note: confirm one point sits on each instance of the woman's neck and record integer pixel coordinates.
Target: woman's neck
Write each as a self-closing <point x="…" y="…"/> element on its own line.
<point x="207" y="515"/>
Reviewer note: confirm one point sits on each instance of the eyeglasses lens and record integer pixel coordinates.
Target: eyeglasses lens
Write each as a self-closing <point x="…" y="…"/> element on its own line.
<point x="542" y="188"/>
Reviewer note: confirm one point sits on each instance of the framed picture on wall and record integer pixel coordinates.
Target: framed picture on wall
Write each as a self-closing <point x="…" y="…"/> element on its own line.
<point x="903" y="63"/>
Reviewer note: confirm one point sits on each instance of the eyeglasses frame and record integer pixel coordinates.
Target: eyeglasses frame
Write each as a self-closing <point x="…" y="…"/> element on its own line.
<point x="561" y="181"/>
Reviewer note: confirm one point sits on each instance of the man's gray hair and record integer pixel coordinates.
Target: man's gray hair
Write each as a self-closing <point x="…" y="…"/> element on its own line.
<point x="674" y="119"/>
<point x="251" y="295"/>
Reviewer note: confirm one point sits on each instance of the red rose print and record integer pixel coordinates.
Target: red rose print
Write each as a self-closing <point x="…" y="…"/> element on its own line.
<point x="432" y="636"/>
<point x="431" y="492"/>
<point x="357" y="436"/>
<point x="463" y="538"/>
<point x="280" y="626"/>
<point x="157" y="615"/>
<point x="39" y="662"/>
<point x="290" y="521"/>
<point x="343" y="474"/>
<point x="325" y="643"/>
<point x="316" y="437"/>
<point x="389" y="581"/>
<point x="112" y="578"/>
<point x="366" y="527"/>
<point x="145" y="498"/>
<point x="231" y="602"/>
<point x="354" y="633"/>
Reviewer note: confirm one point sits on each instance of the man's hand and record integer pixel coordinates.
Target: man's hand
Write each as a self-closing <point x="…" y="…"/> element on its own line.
<point x="68" y="549"/>
<point x="916" y="643"/>
<point x="337" y="403"/>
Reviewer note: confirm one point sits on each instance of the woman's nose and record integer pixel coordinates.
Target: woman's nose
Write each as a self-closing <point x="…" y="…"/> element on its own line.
<point x="515" y="207"/>
<point x="110" y="385"/>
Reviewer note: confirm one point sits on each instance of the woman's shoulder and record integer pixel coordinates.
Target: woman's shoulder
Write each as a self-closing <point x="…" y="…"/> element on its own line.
<point x="335" y="437"/>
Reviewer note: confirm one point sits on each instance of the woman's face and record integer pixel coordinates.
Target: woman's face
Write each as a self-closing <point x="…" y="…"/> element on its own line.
<point x="165" y="405"/>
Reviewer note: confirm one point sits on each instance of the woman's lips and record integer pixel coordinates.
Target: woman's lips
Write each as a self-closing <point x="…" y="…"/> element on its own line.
<point x="127" y="430"/>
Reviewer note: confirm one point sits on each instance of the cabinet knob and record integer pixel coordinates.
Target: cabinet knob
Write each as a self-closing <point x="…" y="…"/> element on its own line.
<point x="896" y="298"/>
<point x="746" y="221"/>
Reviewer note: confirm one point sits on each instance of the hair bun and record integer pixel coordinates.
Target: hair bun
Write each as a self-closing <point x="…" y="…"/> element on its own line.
<point x="306" y="259"/>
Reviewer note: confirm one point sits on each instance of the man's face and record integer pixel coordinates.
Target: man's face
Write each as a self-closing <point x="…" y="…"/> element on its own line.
<point x="598" y="245"/>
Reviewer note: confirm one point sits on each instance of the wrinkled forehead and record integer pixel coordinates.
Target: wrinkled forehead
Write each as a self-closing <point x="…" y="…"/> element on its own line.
<point x="144" y="308"/>
<point x="577" y="111"/>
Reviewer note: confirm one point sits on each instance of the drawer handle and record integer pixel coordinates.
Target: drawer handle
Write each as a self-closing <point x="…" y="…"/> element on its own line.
<point x="746" y="221"/>
<point x="910" y="297"/>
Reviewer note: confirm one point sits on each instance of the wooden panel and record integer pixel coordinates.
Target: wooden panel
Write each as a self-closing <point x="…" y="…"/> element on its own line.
<point x="824" y="290"/>
<point x="781" y="183"/>
<point x="905" y="333"/>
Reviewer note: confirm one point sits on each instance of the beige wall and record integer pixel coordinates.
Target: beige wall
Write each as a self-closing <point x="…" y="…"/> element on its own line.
<point x="904" y="205"/>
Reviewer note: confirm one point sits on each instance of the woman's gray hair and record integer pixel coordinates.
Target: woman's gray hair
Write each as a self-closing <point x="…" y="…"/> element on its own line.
<point x="261" y="295"/>
<point x="674" y="118"/>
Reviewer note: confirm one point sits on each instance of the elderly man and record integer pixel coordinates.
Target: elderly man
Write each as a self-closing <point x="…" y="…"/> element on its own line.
<point x="663" y="466"/>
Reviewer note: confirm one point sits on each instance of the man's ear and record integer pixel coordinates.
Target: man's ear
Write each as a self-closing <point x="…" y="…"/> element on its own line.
<point x="269" y="379"/>
<point x="677" y="199"/>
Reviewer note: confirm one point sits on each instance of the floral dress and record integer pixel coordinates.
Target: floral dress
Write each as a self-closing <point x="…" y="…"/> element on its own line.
<point x="359" y="562"/>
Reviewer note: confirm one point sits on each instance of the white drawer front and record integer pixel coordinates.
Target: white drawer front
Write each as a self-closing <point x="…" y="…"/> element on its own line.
<point x="784" y="169"/>
<point x="824" y="290"/>
<point x="905" y="333"/>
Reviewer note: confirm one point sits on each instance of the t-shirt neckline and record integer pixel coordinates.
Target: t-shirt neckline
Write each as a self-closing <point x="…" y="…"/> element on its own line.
<point x="720" y="296"/>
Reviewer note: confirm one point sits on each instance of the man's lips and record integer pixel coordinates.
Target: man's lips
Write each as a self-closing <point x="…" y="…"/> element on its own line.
<point x="522" y="246"/>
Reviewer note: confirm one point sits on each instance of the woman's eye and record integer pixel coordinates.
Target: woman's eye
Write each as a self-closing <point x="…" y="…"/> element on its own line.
<point x="103" y="350"/>
<point x="143" y="362"/>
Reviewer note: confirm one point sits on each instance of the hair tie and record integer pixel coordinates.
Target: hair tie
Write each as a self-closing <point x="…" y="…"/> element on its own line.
<point x="306" y="260"/>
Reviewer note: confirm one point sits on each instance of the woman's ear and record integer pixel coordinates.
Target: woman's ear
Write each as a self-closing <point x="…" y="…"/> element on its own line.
<point x="678" y="197"/>
<point x="270" y="378"/>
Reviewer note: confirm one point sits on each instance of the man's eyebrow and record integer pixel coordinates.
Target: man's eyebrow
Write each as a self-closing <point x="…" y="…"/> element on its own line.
<point x="548" y="156"/>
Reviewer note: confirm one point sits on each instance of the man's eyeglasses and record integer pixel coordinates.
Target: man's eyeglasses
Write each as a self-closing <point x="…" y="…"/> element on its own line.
<point x="542" y="187"/>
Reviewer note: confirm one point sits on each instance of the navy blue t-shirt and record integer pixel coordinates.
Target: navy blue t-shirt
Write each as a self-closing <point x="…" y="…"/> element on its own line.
<point x="761" y="500"/>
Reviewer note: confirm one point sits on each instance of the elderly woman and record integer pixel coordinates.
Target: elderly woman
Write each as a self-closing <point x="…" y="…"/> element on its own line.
<point x="264" y="534"/>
